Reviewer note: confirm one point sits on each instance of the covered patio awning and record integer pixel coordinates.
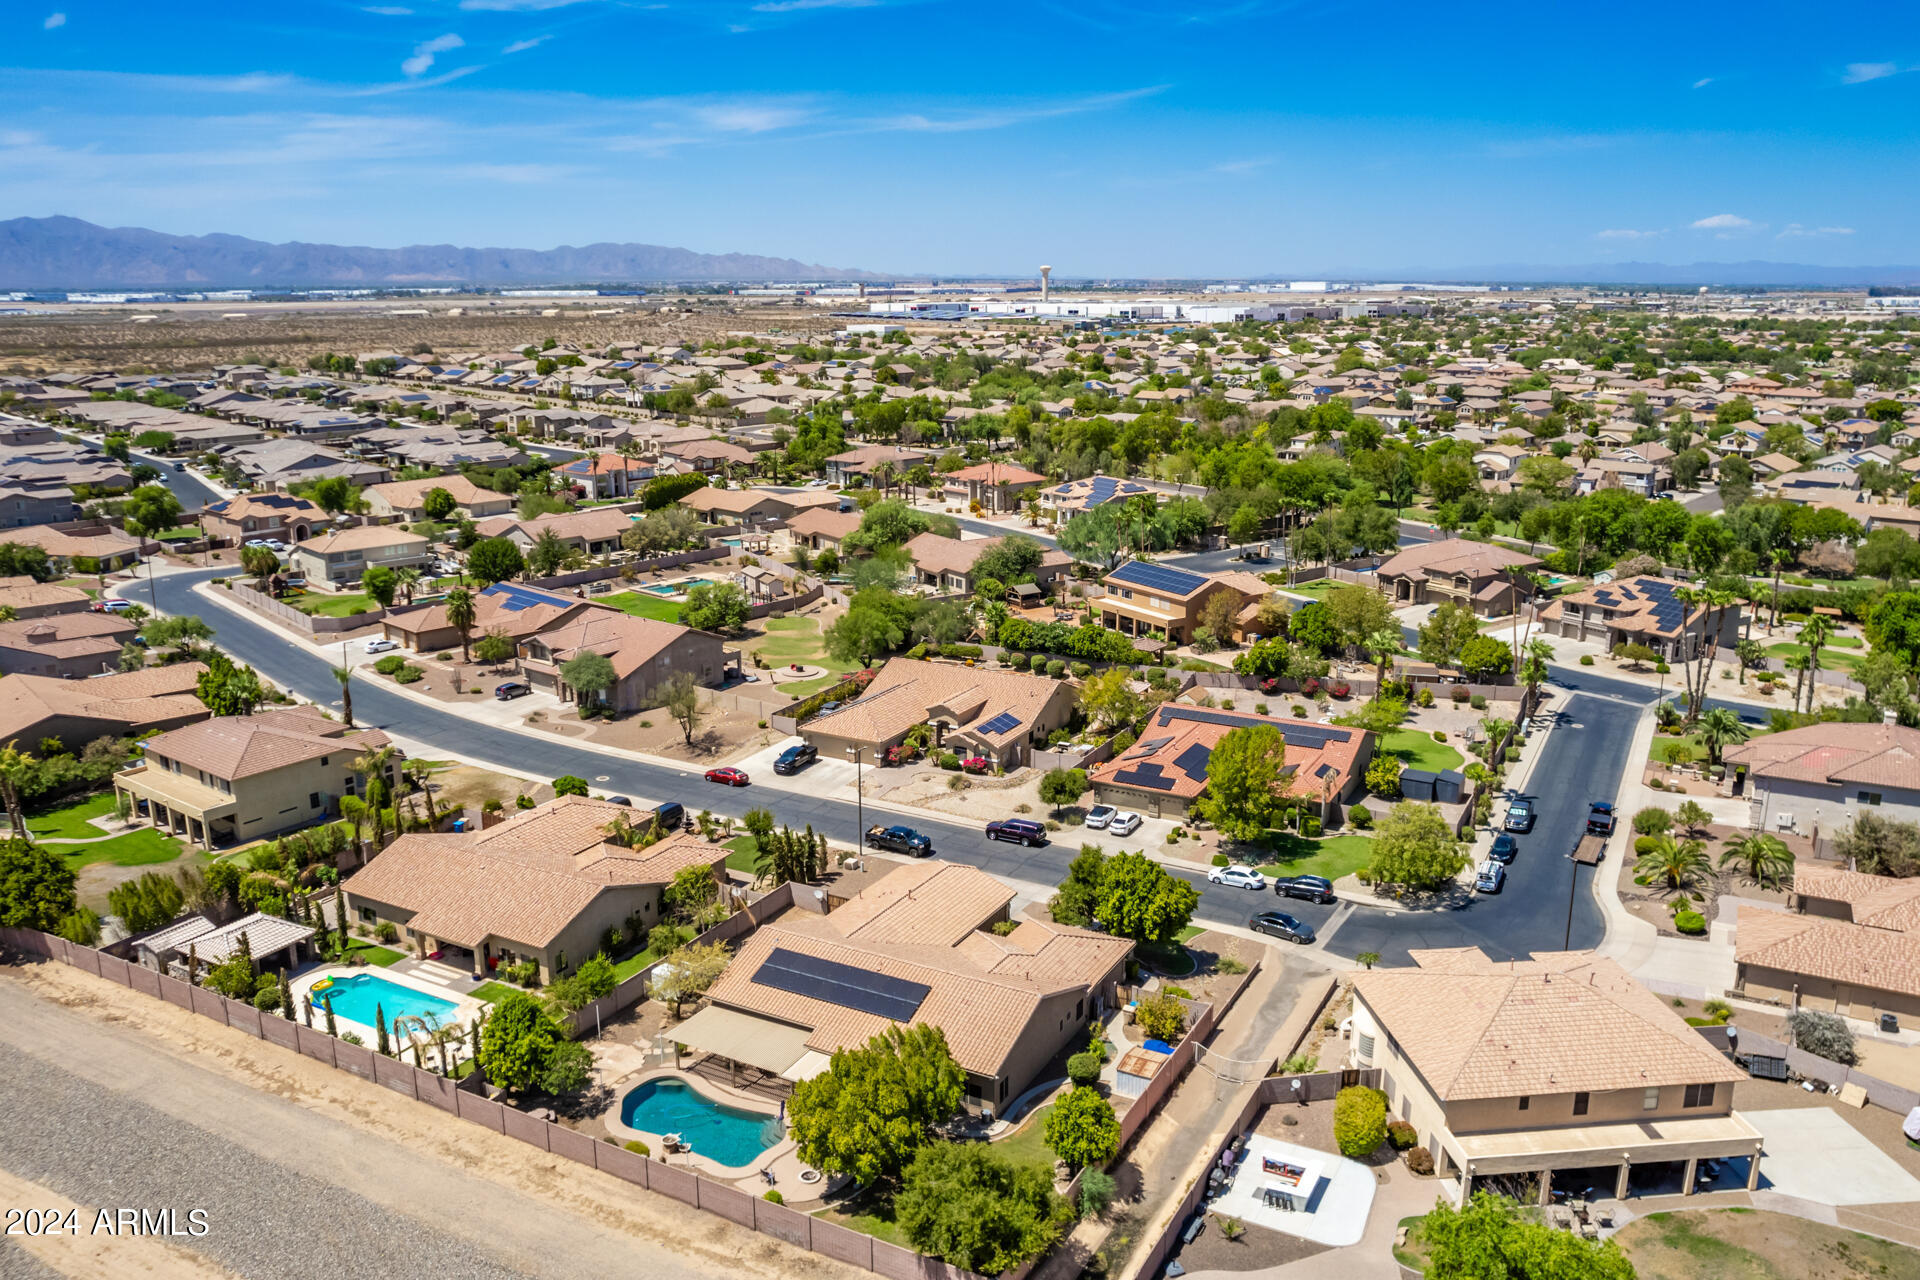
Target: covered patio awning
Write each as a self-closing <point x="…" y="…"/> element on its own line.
<point x="1644" y="1142"/>
<point x="742" y="1037"/>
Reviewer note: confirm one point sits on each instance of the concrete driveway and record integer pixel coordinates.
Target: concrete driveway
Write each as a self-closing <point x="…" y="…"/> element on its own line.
<point x="1812" y="1153"/>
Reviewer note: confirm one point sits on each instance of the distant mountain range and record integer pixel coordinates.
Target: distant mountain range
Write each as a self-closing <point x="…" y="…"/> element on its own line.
<point x="68" y="253"/>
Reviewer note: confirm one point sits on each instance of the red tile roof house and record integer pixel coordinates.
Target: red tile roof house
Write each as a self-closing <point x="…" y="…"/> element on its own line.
<point x="999" y="487"/>
<point x="608" y="475"/>
<point x="1480" y="575"/>
<point x="946" y="564"/>
<point x="1000" y="715"/>
<point x="922" y="935"/>
<point x="1165" y="771"/>
<point x="545" y="885"/>
<point x="1818" y="779"/>
<point x="1639" y="610"/>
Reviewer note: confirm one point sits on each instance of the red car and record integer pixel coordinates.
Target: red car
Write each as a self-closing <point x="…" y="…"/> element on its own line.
<point x="731" y="776"/>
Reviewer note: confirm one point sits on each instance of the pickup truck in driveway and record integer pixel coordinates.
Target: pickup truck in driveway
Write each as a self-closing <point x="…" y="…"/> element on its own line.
<point x="899" y="840"/>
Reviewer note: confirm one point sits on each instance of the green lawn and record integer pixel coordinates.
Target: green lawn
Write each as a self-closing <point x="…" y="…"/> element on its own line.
<point x="745" y="850"/>
<point x="180" y="534"/>
<point x="140" y="848"/>
<point x="1658" y="751"/>
<point x="373" y="953"/>
<point x="1332" y="857"/>
<point x="634" y="963"/>
<point x="71" y="822"/>
<point x="1028" y="1145"/>
<point x="492" y="991"/>
<point x="642" y="605"/>
<point x="328" y="604"/>
<point x="1829" y="660"/>
<point x="1418" y="750"/>
<point x="1175" y="960"/>
<point x="790" y="640"/>
<point x="1318" y="588"/>
<point x="1189" y="933"/>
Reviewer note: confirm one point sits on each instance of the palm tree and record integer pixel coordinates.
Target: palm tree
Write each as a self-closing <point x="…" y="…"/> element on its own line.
<point x="1798" y="663"/>
<point x="345" y="676"/>
<point x="372" y="764"/>
<point x="406" y="579"/>
<point x="460" y="614"/>
<point x="14" y="767"/>
<point x="1675" y="865"/>
<point x="416" y="772"/>
<point x="1384" y="645"/>
<point x="1718" y="727"/>
<point x="1762" y="858"/>
<point x="1533" y="669"/>
<point x="1814" y="635"/>
<point x="354" y="810"/>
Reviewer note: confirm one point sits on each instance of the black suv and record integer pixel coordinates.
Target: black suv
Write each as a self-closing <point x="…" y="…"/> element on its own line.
<point x="1023" y="830"/>
<point x="1312" y="888"/>
<point x="1282" y="925"/>
<point x="796" y="758"/>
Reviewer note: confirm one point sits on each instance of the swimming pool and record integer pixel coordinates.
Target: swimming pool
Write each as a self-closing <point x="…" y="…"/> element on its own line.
<point x="732" y="1136"/>
<point x="679" y="588"/>
<point x="355" y="997"/>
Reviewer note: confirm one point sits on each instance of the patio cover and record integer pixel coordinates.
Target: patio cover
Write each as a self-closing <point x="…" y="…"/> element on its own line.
<point x="758" y="1042"/>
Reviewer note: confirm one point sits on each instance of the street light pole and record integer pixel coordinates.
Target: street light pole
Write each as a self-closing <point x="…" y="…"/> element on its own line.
<point x="859" y="803"/>
<point x="1573" y="882"/>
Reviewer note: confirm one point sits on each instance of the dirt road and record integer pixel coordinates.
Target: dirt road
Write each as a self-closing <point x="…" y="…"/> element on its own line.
<point x="118" y="1101"/>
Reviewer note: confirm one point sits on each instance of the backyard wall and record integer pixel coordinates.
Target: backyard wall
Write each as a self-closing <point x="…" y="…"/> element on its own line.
<point x="286" y="614"/>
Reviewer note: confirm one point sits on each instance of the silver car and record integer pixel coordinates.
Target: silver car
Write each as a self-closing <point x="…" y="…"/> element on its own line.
<point x="1099" y="816"/>
<point x="1124" y="823"/>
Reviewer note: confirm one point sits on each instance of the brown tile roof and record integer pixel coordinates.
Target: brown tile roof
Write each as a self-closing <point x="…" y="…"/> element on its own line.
<point x="1178" y="729"/>
<point x="67" y="635"/>
<point x="932" y="553"/>
<point x="1880" y="901"/>
<point x="525" y="880"/>
<point x="361" y="538"/>
<point x="234" y="747"/>
<point x="1816" y="947"/>
<point x="997" y="473"/>
<point x="1630" y="604"/>
<point x="127" y="703"/>
<point x="824" y="523"/>
<point x="908" y="692"/>
<point x="1563" y="1022"/>
<point x="593" y="524"/>
<point x="491" y="613"/>
<point x="626" y="641"/>
<point x="24" y="593"/>
<point x="1456" y="555"/>
<point x="411" y="493"/>
<point x="1835" y="754"/>
<point x="925" y="923"/>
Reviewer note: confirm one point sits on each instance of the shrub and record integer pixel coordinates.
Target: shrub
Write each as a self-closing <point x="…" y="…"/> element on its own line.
<point x="1081" y="670"/>
<point x="1513" y="755"/>
<point x="638" y="1147"/>
<point x="1057" y="667"/>
<point x="1221" y="860"/>
<point x="386" y="932"/>
<point x="1459" y="693"/>
<point x="1652" y="820"/>
<point x="1359" y="1121"/>
<point x="1162" y="1017"/>
<point x="773" y="1196"/>
<point x="1419" y="1159"/>
<point x="1424" y="698"/>
<point x="1825" y="1035"/>
<point x="409" y="675"/>
<point x="267" y="999"/>
<point x="1401" y="1134"/>
<point x="1227" y="964"/>
<point x="1361" y="817"/>
<point x="526" y="973"/>
<point x="388" y="664"/>
<point x="1644" y="844"/>
<point x="443" y="657"/>
<point x="1341" y="689"/>
<point x="1439" y="735"/>
<point x="1586" y="660"/>
<point x="948" y="760"/>
<point x="1299" y="711"/>
<point x="1478" y="702"/>
<point x="1083" y="1068"/>
<point x="1690" y="922"/>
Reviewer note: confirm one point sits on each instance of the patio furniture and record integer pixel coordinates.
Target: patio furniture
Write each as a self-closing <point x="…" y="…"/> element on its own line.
<point x="1579" y="1208"/>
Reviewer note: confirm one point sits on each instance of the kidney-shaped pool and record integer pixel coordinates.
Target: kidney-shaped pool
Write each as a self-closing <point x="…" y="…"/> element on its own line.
<point x="732" y="1136"/>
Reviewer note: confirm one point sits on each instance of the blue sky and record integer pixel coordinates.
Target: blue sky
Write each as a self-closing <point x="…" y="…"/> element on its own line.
<point x="982" y="136"/>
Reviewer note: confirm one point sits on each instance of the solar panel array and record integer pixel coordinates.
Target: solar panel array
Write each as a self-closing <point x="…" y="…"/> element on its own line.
<point x="1001" y="723"/>
<point x="1146" y="775"/>
<point x="1193" y="761"/>
<point x="515" y="598"/>
<point x="1158" y="577"/>
<point x="1101" y="490"/>
<point x="841" y="984"/>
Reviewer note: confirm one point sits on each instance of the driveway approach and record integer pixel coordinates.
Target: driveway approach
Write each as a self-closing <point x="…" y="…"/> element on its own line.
<point x="1574" y="768"/>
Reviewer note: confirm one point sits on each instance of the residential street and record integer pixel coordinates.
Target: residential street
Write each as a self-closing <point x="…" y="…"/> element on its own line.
<point x="1574" y="768"/>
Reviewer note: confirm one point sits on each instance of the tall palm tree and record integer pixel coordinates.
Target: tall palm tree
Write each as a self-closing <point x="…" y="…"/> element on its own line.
<point x="1533" y="668"/>
<point x="1762" y="858"/>
<point x="406" y="579"/>
<point x="372" y="764"/>
<point x="14" y="766"/>
<point x="460" y="614"/>
<point x="1798" y="664"/>
<point x="416" y="773"/>
<point x="1719" y="727"/>
<point x="344" y="675"/>
<point x="1814" y="634"/>
<point x="1384" y="645"/>
<point x="1678" y="866"/>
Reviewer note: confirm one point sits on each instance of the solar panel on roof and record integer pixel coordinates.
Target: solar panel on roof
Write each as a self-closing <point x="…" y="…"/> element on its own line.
<point x="1154" y="744"/>
<point x="1159" y="577"/>
<point x="1193" y="761"/>
<point x="1146" y="775"/>
<point x="1001" y="723"/>
<point x="841" y="984"/>
<point x="515" y="598"/>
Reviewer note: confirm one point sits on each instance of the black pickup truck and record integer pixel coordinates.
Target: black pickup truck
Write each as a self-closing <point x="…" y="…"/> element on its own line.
<point x="899" y="840"/>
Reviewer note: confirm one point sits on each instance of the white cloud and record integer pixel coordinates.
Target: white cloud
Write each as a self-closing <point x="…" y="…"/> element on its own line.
<point x="18" y="138"/>
<point x="386" y="10"/>
<point x="54" y="21"/>
<point x="1723" y="222"/>
<point x="1861" y="72"/>
<point x="515" y="6"/>
<point x="426" y="50"/>
<point x="521" y="46"/>
<point x="1794" y="231"/>
<point x="1626" y="233"/>
<point x="747" y="117"/>
<point x="1703" y="82"/>
<point x="794" y="6"/>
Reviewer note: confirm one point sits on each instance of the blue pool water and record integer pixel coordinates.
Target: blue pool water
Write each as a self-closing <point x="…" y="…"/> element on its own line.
<point x="357" y="996"/>
<point x="727" y="1135"/>
<point x="675" y="588"/>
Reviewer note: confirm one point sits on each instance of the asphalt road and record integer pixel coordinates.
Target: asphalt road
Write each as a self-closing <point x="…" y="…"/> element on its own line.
<point x="1530" y="915"/>
<point x="184" y="485"/>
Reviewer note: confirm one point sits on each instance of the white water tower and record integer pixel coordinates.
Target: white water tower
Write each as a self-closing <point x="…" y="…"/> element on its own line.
<point x="1046" y="275"/>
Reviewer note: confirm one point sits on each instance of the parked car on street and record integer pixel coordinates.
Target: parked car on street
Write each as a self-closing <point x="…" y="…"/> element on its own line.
<point x="1492" y="877"/>
<point x="1312" y="888"/>
<point x="1238" y="876"/>
<point x="1505" y="848"/>
<point x="796" y="758"/>
<point x="899" y="840"/>
<point x="1281" y="925"/>
<point x="729" y="775"/>
<point x="1520" y="816"/>
<point x="1020" y="830"/>
<point x="1600" y="818"/>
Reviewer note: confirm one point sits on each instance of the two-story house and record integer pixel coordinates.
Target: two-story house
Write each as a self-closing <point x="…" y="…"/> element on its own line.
<point x="407" y="499"/>
<point x="645" y="654"/>
<point x="345" y="555"/>
<point x="1530" y="1068"/>
<point x="248" y="516"/>
<point x="238" y="778"/>
<point x="1142" y="598"/>
<point x="946" y="564"/>
<point x="1823" y="776"/>
<point x="1641" y="610"/>
<point x="1485" y="576"/>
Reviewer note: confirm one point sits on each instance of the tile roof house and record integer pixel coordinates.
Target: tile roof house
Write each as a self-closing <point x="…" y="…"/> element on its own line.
<point x="1064" y="501"/>
<point x="68" y="646"/>
<point x="1820" y="777"/>
<point x="820" y="529"/>
<point x="645" y="653"/>
<point x="30" y="599"/>
<point x="920" y="939"/>
<point x="515" y="611"/>
<point x="1165" y="770"/>
<point x="237" y="778"/>
<point x="257" y="515"/>
<point x="77" y="712"/>
<point x="996" y="486"/>
<point x="1640" y="610"/>
<point x="594" y="530"/>
<point x="861" y="463"/>
<point x="544" y="885"/>
<point x="1142" y="598"/>
<point x="407" y="498"/>
<point x="1561" y="1062"/>
<point x="1481" y="575"/>
<point x="344" y="555"/>
<point x="946" y="564"/>
<point x="1808" y="961"/>
<point x="984" y="711"/>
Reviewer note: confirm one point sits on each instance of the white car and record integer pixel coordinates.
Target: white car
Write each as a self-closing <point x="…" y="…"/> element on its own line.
<point x="1124" y="823"/>
<point x="1238" y="876"/>
<point x="381" y="644"/>
<point x="1099" y="816"/>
